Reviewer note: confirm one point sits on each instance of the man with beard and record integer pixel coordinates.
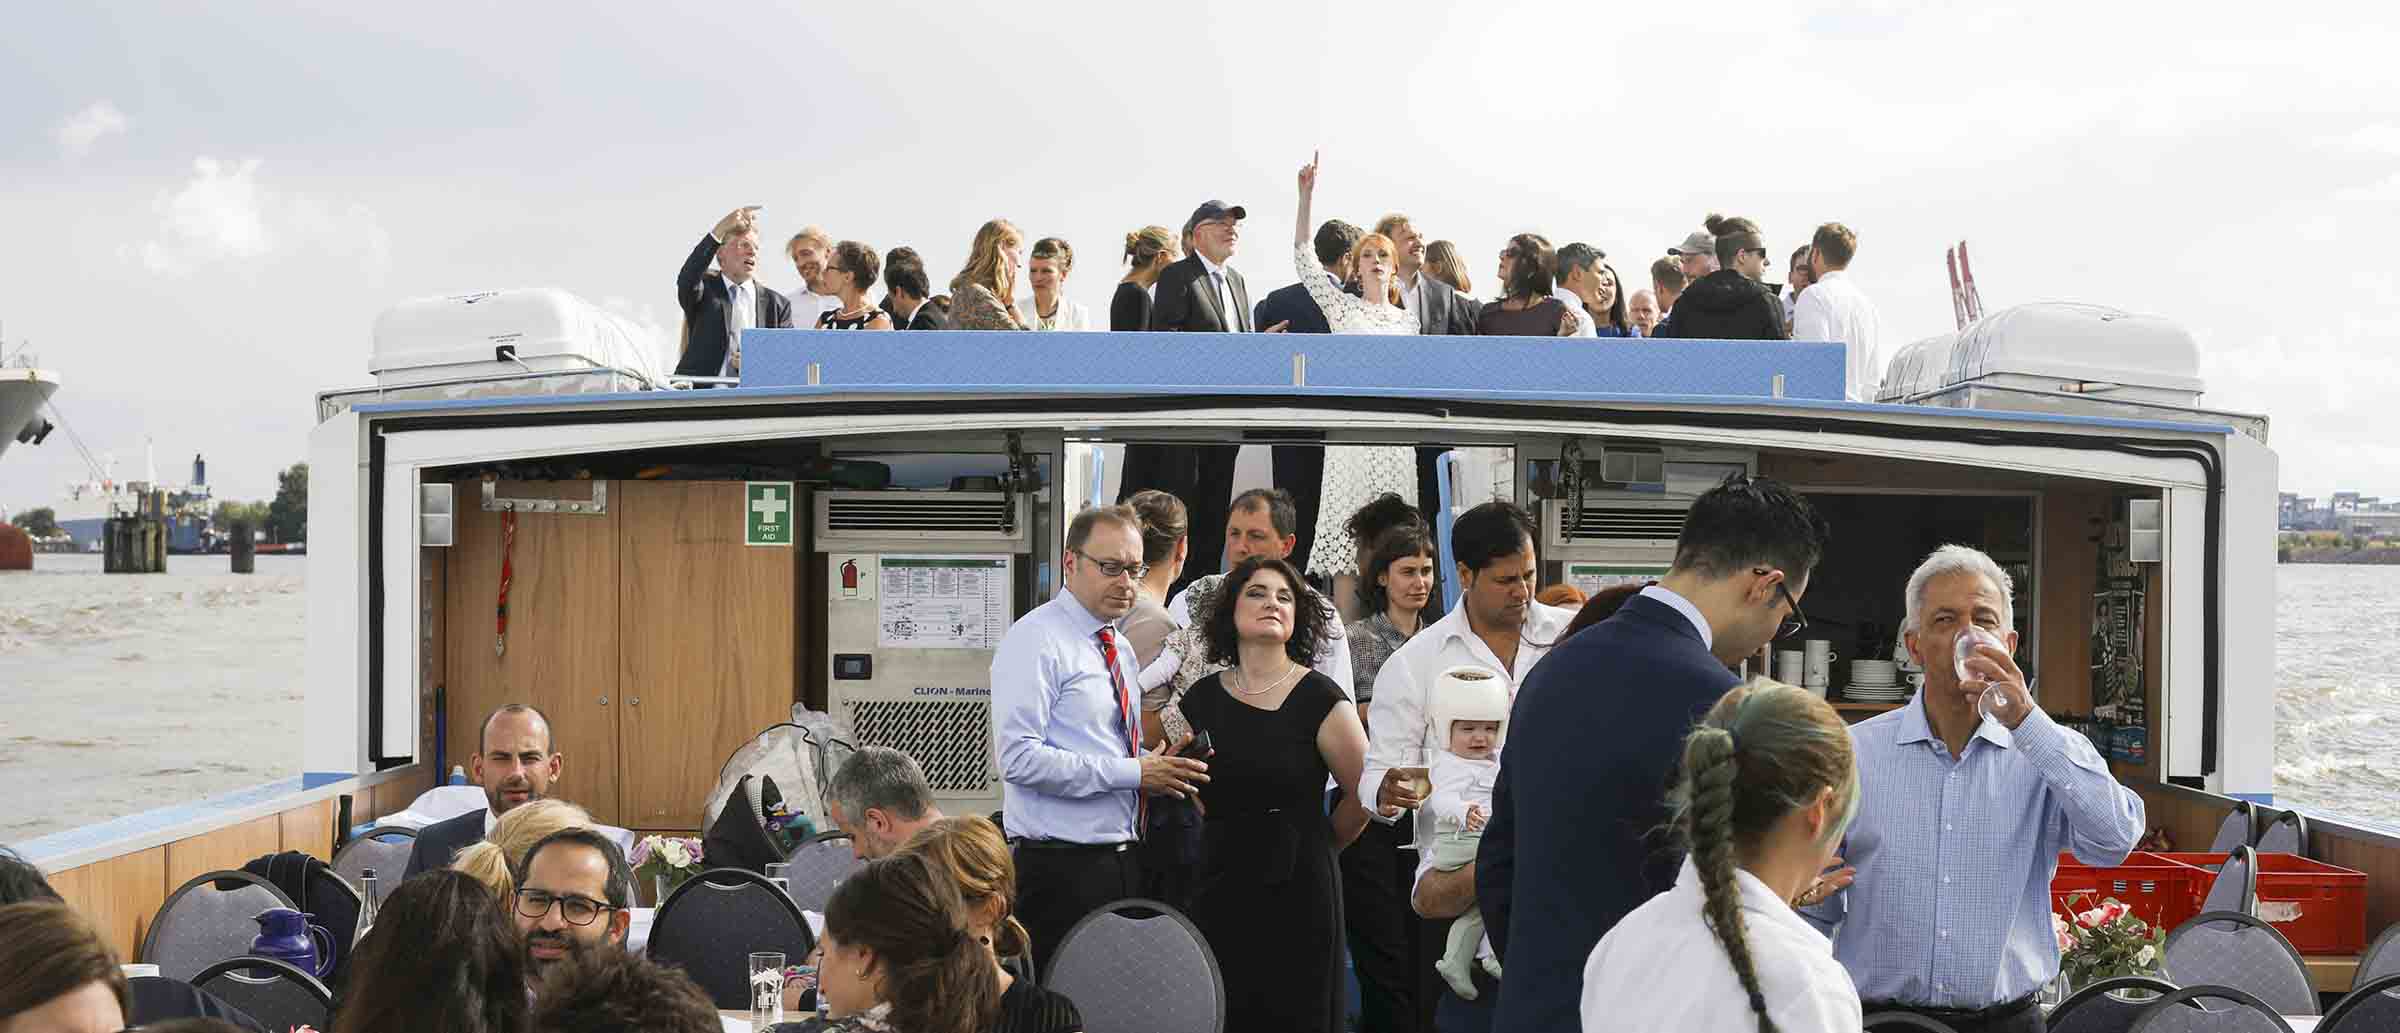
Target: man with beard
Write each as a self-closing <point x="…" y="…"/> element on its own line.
<point x="574" y="893"/>
<point x="514" y="763"/>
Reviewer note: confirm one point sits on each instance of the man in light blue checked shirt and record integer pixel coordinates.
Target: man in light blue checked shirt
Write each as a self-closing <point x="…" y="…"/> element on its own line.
<point x="1962" y="815"/>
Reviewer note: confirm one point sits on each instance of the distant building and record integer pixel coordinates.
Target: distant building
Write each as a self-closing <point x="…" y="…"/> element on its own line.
<point x="2370" y="525"/>
<point x="2345" y="502"/>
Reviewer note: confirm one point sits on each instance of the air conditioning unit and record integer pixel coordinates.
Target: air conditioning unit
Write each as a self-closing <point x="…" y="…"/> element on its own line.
<point x="921" y="586"/>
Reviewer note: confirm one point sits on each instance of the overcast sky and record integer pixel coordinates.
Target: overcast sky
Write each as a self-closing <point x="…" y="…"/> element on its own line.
<point x="206" y="205"/>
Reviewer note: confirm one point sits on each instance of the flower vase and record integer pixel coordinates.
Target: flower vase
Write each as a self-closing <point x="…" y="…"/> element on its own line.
<point x="2056" y="991"/>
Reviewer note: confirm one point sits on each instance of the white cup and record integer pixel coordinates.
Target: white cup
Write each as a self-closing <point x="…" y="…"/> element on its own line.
<point x="1789" y="668"/>
<point x="1818" y="666"/>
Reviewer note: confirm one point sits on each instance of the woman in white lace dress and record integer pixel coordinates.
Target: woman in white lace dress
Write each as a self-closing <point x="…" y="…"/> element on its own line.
<point x="1354" y="474"/>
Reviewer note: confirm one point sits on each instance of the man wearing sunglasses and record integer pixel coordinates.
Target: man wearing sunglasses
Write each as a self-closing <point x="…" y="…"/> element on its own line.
<point x="1599" y="726"/>
<point x="573" y="895"/>
<point x="1730" y="304"/>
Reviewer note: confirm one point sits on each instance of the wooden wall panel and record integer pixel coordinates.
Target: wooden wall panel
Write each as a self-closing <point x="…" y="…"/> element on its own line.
<point x="229" y="847"/>
<point x="435" y="617"/>
<point x="309" y="830"/>
<point x="562" y="653"/>
<point x="708" y="650"/>
<point x="119" y="895"/>
<point x="2192" y="822"/>
<point x="2381" y="862"/>
<point x="2067" y="575"/>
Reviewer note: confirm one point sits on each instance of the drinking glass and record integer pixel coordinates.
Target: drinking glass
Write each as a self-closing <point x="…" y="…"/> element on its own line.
<point x="779" y="873"/>
<point x="1993" y="695"/>
<point x="766" y="989"/>
<point x="1420" y="780"/>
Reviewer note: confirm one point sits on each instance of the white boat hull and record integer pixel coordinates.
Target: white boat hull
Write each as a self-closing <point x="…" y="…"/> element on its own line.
<point x="22" y="393"/>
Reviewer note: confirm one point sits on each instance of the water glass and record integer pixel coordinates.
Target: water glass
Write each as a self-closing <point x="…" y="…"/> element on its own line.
<point x="766" y="989"/>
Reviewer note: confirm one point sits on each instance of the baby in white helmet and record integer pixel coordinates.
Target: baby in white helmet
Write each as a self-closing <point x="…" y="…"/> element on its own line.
<point x="1468" y="714"/>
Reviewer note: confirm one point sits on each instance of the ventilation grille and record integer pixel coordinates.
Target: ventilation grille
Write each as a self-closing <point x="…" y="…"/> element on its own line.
<point x="952" y="739"/>
<point x="962" y="513"/>
<point x="1624" y="524"/>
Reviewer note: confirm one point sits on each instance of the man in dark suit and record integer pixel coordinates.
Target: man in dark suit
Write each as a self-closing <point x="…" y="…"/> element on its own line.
<point x="514" y="763"/>
<point x="1598" y="727"/>
<point x="907" y="292"/>
<point x="1200" y="293"/>
<point x="1292" y="304"/>
<point x="719" y="304"/>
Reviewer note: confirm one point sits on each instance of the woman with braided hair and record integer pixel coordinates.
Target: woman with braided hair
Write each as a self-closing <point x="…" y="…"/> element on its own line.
<point x="1766" y="787"/>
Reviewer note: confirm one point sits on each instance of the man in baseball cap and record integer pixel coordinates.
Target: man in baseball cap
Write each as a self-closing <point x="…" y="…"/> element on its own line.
<point x="1698" y="252"/>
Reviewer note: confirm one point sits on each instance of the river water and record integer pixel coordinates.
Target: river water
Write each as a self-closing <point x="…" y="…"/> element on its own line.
<point x="123" y="693"/>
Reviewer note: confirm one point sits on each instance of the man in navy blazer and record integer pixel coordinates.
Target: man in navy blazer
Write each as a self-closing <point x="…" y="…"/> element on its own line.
<point x="1292" y="304"/>
<point x="717" y="304"/>
<point x="1596" y="732"/>
<point x="514" y="762"/>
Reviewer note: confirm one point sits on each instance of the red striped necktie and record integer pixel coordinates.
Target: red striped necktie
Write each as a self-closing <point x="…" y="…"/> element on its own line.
<point x="1133" y="727"/>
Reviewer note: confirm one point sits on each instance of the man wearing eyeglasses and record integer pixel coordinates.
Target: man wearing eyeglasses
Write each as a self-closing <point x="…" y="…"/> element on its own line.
<point x="1598" y="728"/>
<point x="1064" y="717"/>
<point x="574" y="894"/>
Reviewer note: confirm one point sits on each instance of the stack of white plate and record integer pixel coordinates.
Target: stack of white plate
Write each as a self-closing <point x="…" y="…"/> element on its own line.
<point x="1875" y="681"/>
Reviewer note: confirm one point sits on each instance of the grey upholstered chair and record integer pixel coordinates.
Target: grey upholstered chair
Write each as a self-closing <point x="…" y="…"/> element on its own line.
<point x="1904" y="1022"/>
<point x="2236" y="888"/>
<point x="273" y="992"/>
<point x="2287" y="834"/>
<point x="1139" y="966"/>
<point x="2239" y="828"/>
<point x="2210" y="1009"/>
<point x="385" y="850"/>
<point x="712" y="923"/>
<point x="2108" y="1006"/>
<point x="2381" y="959"/>
<point x="2232" y="949"/>
<point x="207" y="920"/>
<point x="2370" y="1005"/>
<point x="818" y="865"/>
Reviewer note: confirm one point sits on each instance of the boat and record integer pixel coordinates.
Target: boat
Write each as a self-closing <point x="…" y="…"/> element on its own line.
<point x="23" y="392"/>
<point x="849" y="526"/>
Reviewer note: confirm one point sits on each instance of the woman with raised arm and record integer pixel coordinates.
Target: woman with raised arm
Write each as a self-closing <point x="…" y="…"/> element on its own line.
<point x="1356" y="474"/>
<point x="1769" y="782"/>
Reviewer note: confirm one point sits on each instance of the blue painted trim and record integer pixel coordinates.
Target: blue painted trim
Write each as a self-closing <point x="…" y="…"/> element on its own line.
<point x="2265" y="798"/>
<point x="313" y="779"/>
<point x="133" y="825"/>
<point x="1445" y="469"/>
<point x="1794" y="406"/>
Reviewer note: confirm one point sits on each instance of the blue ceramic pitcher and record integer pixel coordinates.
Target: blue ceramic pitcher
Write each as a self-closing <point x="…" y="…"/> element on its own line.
<point x="287" y="936"/>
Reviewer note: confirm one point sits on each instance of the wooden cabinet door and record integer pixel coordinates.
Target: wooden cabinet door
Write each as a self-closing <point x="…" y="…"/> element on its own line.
<point x="562" y="654"/>
<point x="705" y="642"/>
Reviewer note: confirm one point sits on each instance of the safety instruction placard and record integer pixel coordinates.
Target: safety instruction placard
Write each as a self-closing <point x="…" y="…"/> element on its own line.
<point x="942" y="602"/>
<point x="1595" y="578"/>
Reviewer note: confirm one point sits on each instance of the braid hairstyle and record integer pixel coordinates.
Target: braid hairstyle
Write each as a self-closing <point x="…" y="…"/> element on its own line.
<point x="1764" y="749"/>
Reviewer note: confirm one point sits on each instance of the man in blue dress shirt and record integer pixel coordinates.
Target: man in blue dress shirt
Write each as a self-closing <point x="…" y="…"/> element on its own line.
<point x="1962" y="815"/>
<point x="1066" y="719"/>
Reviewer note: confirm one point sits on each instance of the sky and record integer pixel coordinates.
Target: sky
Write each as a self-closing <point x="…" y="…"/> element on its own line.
<point x="206" y="206"/>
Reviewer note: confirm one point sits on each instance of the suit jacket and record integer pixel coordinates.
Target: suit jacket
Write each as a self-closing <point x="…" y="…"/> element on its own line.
<point x="1186" y="301"/>
<point x="1294" y="304"/>
<point x="439" y="842"/>
<point x="1594" y="737"/>
<point x="707" y="334"/>
<point x="1442" y="310"/>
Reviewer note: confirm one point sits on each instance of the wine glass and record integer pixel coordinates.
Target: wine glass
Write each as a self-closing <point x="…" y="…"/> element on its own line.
<point x="1994" y="696"/>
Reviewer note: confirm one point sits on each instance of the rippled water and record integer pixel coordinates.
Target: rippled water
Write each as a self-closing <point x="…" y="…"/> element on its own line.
<point x="2337" y="697"/>
<point x="122" y="693"/>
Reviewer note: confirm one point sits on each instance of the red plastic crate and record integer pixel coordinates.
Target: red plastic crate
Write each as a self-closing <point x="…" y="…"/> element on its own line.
<point x="2321" y="908"/>
<point x="2160" y="888"/>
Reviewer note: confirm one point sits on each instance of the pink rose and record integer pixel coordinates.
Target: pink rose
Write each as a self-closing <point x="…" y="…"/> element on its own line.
<point x="2093" y="918"/>
<point x="2114" y="910"/>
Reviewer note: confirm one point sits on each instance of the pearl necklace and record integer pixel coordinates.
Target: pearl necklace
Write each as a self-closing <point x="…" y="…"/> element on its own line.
<point x="1271" y="686"/>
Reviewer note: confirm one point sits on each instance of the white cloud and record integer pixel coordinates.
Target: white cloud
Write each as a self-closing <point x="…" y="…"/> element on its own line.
<point x="223" y="215"/>
<point x="2386" y="191"/>
<point x="84" y="128"/>
<point x="2382" y="138"/>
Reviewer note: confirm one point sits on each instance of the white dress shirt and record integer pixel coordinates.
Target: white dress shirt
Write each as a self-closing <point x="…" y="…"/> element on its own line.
<point x="741" y="313"/>
<point x="1412" y="295"/>
<point x="1663" y="968"/>
<point x="1066" y="755"/>
<point x="1584" y="327"/>
<point x="1683" y="606"/>
<point x="1397" y="736"/>
<point x="1833" y="309"/>
<point x="1222" y="284"/>
<point x="807" y="305"/>
<point x="1071" y="315"/>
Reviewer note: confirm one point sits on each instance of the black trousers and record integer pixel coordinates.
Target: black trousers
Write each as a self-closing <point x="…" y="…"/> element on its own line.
<point x="1459" y="1015"/>
<point x="1057" y="886"/>
<point x="1382" y="928"/>
<point x="2028" y="1019"/>
<point x="1433" y="937"/>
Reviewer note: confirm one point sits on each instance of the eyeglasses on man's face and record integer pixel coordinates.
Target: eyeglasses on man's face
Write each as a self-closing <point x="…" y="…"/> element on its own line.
<point x="576" y="910"/>
<point x="1797" y="622"/>
<point x="1112" y="569"/>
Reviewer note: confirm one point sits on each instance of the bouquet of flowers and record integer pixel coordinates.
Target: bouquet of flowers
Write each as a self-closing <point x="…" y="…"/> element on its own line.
<point x="2105" y="940"/>
<point x="668" y="861"/>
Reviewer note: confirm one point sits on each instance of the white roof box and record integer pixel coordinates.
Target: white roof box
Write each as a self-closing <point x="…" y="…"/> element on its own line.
<point x="528" y="330"/>
<point x="1917" y="370"/>
<point x="2082" y="349"/>
<point x="2077" y="359"/>
<point x="527" y="341"/>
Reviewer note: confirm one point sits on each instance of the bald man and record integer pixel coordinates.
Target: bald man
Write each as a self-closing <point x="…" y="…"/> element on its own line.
<point x="515" y="764"/>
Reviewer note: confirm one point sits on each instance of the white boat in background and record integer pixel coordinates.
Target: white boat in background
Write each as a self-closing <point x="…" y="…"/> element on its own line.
<point x="23" y="392"/>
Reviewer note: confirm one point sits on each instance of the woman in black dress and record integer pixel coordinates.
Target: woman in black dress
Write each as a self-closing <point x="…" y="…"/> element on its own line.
<point x="1148" y="252"/>
<point x="1267" y="900"/>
